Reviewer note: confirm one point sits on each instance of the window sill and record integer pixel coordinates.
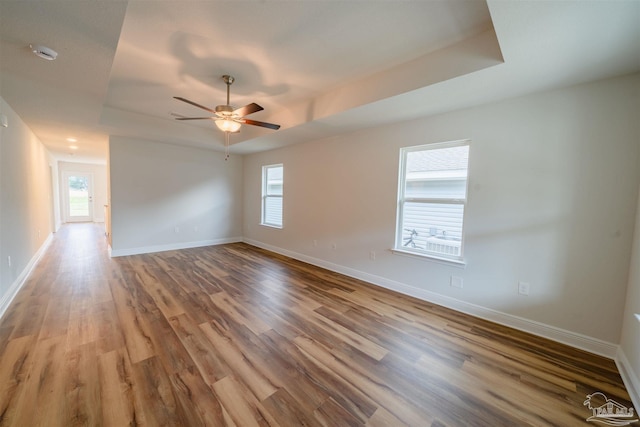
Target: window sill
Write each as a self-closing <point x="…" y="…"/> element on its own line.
<point x="424" y="257"/>
<point x="279" y="227"/>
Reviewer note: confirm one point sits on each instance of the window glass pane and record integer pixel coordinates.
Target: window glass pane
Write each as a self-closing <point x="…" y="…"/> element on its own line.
<point x="433" y="227"/>
<point x="437" y="173"/>
<point x="438" y="161"/>
<point x="432" y="199"/>
<point x="436" y="189"/>
<point x="273" y="210"/>
<point x="272" y="194"/>
<point x="274" y="180"/>
<point x="78" y="196"/>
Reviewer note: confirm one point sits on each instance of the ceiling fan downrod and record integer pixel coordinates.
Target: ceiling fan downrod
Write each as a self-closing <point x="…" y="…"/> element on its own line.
<point x="229" y="81"/>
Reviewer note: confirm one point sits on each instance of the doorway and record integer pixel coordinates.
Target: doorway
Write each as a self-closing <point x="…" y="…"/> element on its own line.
<point x="78" y="196"/>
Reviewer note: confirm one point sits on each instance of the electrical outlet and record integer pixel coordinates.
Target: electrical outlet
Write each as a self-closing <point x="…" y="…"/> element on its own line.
<point x="177" y="229"/>
<point x="9" y="260"/>
<point x="523" y="288"/>
<point x="456" y="282"/>
<point x="372" y="255"/>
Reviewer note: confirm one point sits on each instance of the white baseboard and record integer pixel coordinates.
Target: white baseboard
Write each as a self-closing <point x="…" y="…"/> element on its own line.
<point x="573" y="339"/>
<point x="171" y="247"/>
<point x="629" y="377"/>
<point x="8" y="297"/>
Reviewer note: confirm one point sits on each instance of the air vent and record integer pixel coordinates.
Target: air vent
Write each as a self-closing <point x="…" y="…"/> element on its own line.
<point x="44" y="52"/>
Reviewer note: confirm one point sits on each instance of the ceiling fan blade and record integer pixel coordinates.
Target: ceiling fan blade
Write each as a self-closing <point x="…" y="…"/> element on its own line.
<point x="261" y="124"/>
<point x="194" y="104"/>
<point x="248" y="109"/>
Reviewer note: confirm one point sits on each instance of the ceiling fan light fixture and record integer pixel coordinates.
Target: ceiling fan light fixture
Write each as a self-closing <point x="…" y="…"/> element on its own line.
<point x="44" y="52"/>
<point x="228" y="125"/>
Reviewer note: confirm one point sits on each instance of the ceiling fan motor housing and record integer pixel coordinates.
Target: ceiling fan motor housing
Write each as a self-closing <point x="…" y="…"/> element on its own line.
<point x="225" y="110"/>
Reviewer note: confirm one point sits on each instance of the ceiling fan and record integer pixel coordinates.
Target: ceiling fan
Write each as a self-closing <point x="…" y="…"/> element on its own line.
<point x="227" y="118"/>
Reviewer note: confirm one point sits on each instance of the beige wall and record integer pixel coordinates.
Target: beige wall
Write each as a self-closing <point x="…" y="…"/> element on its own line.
<point x="168" y="197"/>
<point x="629" y="356"/>
<point x="26" y="201"/>
<point x="552" y="199"/>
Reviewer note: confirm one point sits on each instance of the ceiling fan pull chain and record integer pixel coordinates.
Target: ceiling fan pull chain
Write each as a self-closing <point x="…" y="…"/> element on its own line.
<point x="226" y="146"/>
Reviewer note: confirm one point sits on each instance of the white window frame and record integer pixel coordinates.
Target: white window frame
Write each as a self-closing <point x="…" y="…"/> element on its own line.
<point x="266" y="196"/>
<point x="398" y="247"/>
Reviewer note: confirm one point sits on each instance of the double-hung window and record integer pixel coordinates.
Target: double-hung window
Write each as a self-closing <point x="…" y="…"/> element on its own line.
<point x="432" y="196"/>
<point x="272" y="186"/>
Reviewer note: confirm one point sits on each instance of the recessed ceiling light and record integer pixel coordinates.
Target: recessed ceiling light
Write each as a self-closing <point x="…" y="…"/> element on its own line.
<point x="73" y="147"/>
<point x="44" y="52"/>
<point x="72" y="140"/>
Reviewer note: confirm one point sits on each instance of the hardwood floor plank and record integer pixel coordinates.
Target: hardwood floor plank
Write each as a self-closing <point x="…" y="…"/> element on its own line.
<point x="82" y="325"/>
<point x="82" y="392"/>
<point x="116" y="392"/>
<point x="287" y="411"/>
<point x="194" y="278"/>
<point x="154" y="392"/>
<point x="240" y="314"/>
<point x="200" y="405"/>
<point x="233" y="335"/>
<point x="168" y="347"/>
<point x="134" y="328"/>
<point x="292" y="377"/>
<point x="30" y="317"/>
<point x="335" y="387"/>
<point x="383" y="418"/>
<point x="343" y="333"/>
<point x="379" y="393"/>
<point x="241" y="406"/>
<point x="259" y="385"/>
<point x="36" y="405"/>
<point x="16" y="359"/>
<point x="201" y="351"/>
<point x="56" y="318"/>
<point x="153" y="280"/>
<point x="108" y="333"/>
<point x="331" y="414"/>
<point x="515" y="403"/>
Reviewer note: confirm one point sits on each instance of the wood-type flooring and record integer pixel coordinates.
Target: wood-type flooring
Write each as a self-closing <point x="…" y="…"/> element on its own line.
<point x="232" y="335"/>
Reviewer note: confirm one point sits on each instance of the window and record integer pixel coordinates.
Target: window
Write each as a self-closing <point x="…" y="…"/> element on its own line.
<point x="272" y="180"/>
<point x="431" y="199"/>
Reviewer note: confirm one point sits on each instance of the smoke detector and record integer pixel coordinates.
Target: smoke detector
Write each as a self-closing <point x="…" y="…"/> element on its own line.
<point x="44" y="52"/>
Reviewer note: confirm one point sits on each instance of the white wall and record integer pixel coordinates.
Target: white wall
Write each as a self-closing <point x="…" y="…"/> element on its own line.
<point x="629" y="355"/>
<point x="157" y="187"/>
<point x="26" y="209"/>
<point x="552" y="197"/>
<point x="99" y="176"/>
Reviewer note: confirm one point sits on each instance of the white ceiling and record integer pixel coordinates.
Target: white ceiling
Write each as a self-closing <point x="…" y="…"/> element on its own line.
<point x="319" y="68"/>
